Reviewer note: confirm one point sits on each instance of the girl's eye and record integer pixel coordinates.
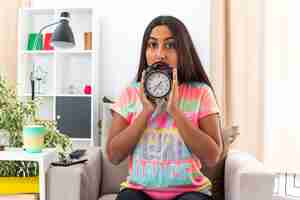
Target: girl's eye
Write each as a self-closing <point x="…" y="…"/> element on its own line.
<point x="152" y="44"/>
<point x="170" y="45"/>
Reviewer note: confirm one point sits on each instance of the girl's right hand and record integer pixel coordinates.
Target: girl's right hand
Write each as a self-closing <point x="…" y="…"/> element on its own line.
<point x="148" y="106"/>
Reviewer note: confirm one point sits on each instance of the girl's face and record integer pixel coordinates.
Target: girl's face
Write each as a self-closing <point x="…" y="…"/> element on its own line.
<point x="161" y="46"/>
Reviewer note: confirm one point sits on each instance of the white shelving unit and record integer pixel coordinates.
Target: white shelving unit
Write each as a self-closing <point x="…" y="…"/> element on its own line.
<point x="65" y="73"/>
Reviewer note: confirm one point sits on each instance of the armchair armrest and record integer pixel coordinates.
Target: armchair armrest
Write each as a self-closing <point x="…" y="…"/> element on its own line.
<point x="76" y="182"/>
<point x="246" y="178"/>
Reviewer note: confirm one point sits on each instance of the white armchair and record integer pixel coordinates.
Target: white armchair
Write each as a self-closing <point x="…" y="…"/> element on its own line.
<point x="246" y="178"/>
<point x="97" y="179"/>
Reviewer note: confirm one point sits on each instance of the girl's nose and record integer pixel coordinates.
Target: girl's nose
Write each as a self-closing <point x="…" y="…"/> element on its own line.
<point x="161" y="54"/>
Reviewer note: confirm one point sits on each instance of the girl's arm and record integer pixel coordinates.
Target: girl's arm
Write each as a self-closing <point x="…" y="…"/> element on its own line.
<point x="204" y="141"/>
<point x="122" y="137"/>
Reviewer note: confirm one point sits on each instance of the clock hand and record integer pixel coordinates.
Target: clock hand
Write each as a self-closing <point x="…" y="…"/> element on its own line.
<point x="156" y="87"/>
<point x="159" y="83"/>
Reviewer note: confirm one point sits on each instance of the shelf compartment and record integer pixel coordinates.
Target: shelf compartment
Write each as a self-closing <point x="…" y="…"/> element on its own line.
<point x="43" y="66"/>
<point x="73" y="115"/>
<point x="73" y="72"/>
<point x="80" y="22"/>
<point x="32" y="20"/>
<point x="45" y="109"/>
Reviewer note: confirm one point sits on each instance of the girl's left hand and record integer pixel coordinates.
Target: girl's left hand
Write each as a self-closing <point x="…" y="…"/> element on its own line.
<point x="172" y="105"/>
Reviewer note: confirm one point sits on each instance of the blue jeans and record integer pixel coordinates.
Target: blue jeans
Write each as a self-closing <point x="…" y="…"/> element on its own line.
<point x="131" y="194"/>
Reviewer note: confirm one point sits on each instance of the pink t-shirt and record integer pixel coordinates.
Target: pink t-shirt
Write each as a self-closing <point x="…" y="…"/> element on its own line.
<point x="162" y="165"/>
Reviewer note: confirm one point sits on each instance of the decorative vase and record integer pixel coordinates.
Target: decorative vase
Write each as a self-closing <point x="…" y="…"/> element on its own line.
<point x="33" y="138"/>
<point x="87" y="89"/>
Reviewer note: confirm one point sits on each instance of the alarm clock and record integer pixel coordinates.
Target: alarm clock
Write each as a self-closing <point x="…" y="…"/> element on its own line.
<point x="158" y="81"/>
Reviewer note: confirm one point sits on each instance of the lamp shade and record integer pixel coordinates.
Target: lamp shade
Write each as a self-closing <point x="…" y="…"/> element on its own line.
<point x="63" y="36"/>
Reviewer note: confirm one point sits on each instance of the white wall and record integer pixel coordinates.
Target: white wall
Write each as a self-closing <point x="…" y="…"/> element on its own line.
<point x="122" y="27"/>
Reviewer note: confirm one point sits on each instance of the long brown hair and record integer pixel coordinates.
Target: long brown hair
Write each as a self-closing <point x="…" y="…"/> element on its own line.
<point x="190" y="68"/>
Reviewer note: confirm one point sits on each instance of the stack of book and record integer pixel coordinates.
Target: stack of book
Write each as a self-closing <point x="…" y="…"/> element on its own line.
<point x="17" y="188"/>
<point x="39" y="42"/>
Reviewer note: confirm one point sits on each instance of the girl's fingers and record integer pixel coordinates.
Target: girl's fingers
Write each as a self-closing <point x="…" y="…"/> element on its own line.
<point x="175" y="81"/>
<point x="174" y="76"/>
<point x="175" y="73"/>
<point x="142" y="82"/>
<point x="142" y="89"/>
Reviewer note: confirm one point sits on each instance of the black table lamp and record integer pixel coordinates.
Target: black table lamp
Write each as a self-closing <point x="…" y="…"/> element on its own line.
<point x="62" y="37"/>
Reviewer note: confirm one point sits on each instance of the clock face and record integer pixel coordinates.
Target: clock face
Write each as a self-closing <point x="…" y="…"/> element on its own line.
<point x="158" y="84"/>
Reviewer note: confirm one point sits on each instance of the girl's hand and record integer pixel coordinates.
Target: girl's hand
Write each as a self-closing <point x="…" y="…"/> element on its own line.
<point x="148" y="106"/>
<point x="172" y="105"/>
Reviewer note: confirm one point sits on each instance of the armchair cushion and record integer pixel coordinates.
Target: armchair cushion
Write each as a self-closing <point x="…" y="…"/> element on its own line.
<point x="112" y="175"/>
<point x="108" y="197"/>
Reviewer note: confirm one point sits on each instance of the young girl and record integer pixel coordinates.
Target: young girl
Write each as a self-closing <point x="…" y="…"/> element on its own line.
<point x="166" y="149"/>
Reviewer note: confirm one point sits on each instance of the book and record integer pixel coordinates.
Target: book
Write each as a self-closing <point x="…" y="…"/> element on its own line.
<point x="47" y="42"/>
<point x="20" y="197"/>
<point x="19" y="185"/>
<point x="32" y="39"/>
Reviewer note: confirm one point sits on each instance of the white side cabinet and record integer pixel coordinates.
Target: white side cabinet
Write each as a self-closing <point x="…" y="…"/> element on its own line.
<point x="44" y="159"/>
<point x="63" y="77"/>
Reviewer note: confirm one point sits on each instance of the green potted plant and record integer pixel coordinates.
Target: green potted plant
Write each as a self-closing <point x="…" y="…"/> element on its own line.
<point x="13" y="116"/>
